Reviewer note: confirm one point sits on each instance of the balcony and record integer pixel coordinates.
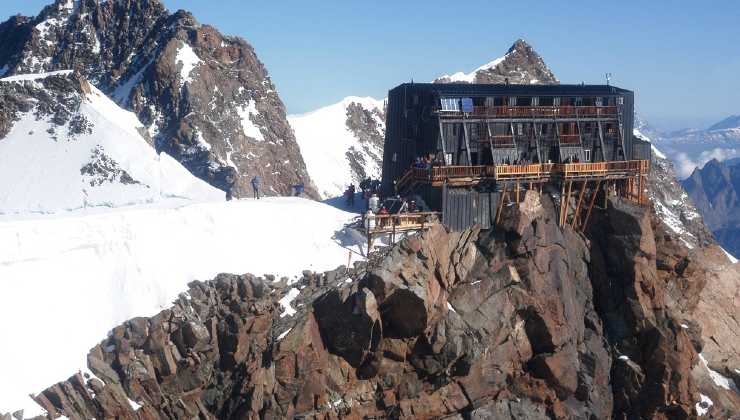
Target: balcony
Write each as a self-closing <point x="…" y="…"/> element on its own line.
<point x="535" y="112"/>
<point x="535" y="173"/>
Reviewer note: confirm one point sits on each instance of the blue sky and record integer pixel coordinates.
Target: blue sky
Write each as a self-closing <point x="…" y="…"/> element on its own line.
<point x="682" y="58"/>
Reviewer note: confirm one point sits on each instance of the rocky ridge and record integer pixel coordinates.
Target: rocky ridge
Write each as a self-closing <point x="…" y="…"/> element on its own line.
<point x="205" y="98"/>
<point x="714" y="188"/>
<point x="526" y="321"/>
<point x="520" y="65"/>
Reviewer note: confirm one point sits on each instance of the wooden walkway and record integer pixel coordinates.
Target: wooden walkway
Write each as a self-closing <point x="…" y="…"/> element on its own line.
<point x="394" y="224"/>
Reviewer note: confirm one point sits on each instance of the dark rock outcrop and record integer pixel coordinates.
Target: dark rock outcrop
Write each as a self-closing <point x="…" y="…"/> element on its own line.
<point x="525" y="321"/>
<point x="205" y="98"/>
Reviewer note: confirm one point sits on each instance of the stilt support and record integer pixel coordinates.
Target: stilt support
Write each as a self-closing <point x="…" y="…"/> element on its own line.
<point x="578" y="206"/>
<point x="591" y="206"/>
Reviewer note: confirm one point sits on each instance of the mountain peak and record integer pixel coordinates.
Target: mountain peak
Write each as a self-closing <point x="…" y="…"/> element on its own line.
<point x="520" y="65"/>
<point x="730" y="122"/>
<point x="519" y="45"/>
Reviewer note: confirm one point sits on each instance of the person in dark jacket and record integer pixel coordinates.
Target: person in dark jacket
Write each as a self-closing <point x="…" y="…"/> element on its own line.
<point x="256" y="183"/>
<point x="298" y="188"/>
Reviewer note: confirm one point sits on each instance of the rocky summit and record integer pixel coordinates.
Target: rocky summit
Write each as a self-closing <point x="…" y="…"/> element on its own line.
<point x="528" y="321"/>
<point x="204" y="98"/>
<point x="520" y="65"/>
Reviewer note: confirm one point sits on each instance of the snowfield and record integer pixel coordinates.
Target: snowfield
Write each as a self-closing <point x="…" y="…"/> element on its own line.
<point x="325" y="139"/>
<point x="68" y="279"/>
<point x="109" y="164"/>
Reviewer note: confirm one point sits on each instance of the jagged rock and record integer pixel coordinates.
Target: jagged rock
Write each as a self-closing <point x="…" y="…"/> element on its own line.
<point x="205" y="98"/>
<point x="525" y="321"/>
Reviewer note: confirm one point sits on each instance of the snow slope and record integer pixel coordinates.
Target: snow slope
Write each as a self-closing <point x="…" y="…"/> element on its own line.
<point x="325" y="138"/>
<point x="108" y="164"/>
<point x="470" y="77"/>
<point x="67" y="280"/>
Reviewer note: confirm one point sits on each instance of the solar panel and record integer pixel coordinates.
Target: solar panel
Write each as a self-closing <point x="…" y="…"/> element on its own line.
<point x="467" y="105"/>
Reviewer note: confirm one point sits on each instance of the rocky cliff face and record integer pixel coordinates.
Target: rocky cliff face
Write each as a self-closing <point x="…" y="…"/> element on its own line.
<point x="205" y="98"/>
<point x="527" y="321"/>
<point x="520" y="65"/>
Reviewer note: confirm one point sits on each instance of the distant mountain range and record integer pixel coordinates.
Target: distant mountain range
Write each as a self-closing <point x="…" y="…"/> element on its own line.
<point x="691" y="148"/>
<point x="715" y="189"/>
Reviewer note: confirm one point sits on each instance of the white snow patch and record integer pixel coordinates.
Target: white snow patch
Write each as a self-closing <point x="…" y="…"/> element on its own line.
<point x="449" y="307"/>
<point x="730" y="256"/>
<point x="718" y="379"/>
<point x="325" y="139"/>
<point x="189" y="61"/>
<point x="43" y="175"/>
<point x="134" y="405"/>
<point x="702" y="407"/>
<point x="123" y="91"/>
<point x="123" y="263"/>
<point x="286" y="301"/>
<point x="623" y="357"/>
<point x="470" y="77"/>
<point x="281" y="336"/>
<point x="35" y="76"/>
<point x="637" y="133"/>
<point x="684" y="326"/>
<point x="248" y="126"/>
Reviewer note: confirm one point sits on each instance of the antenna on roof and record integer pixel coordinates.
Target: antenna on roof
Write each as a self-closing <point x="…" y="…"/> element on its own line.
<point x="608" y="78"/>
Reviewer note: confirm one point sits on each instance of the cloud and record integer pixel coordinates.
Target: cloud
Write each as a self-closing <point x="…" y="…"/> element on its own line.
<point x="686" y="165"/>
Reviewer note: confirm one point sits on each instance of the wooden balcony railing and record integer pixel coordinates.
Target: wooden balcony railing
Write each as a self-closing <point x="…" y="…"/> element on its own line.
<point x="402" y="222"/>
<point x="565" y="111"/>
<point x="539" y="172"/>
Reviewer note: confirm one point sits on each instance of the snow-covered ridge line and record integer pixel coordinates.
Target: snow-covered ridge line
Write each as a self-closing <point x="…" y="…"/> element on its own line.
<point x="35" y="76"/>
<point x="335" y="153"/>
<point x="470" y="77"/>
<point x="97" y="158"/>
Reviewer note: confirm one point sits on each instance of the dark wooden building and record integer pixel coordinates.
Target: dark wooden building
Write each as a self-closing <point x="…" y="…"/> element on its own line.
<point x="484" y="139"/>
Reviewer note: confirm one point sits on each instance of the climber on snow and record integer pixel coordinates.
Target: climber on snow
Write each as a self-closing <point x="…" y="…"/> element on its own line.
<point x="256" y="183"/>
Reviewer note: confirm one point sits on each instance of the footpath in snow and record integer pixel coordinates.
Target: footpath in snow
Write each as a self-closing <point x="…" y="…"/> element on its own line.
<point x="68" y="279"/>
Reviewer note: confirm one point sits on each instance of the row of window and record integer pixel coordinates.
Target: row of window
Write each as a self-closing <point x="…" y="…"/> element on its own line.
<point x="466" y="104"/>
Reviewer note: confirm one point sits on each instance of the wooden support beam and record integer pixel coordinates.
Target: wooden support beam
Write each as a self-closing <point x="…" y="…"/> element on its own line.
<point x="517" y="192"/>
<point x="501" y="205"/>
<point x="562" y="205"/>
<point x="567" y="202"/>
<point x="591" y="206"/>
<point x="578" y="206"/>
<point x="442" y="139"/>
<point x="467" y="143"/>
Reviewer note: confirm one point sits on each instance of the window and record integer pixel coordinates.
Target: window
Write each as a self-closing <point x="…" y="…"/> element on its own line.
<point x="520" y="129"/>
<point x="450" y="104"/>
<point x="620" y="100"/>
<point x="448" y="158"/>
<point x="395" y="157"/>
<point x="588" y="155"/>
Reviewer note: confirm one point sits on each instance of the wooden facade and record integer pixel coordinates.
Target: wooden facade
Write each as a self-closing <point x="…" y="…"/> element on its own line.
<point x="483" y="139"/>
